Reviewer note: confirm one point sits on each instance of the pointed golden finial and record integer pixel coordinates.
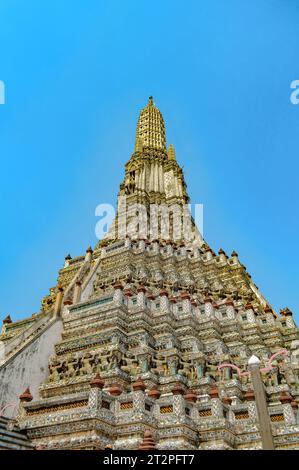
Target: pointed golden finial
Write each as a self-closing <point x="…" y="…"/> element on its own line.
<point x="150" y="101"/>
<point x="171" y="152"/>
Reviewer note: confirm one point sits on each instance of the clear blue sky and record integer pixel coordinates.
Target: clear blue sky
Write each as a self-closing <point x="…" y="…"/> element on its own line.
<point x="77" y="74"/>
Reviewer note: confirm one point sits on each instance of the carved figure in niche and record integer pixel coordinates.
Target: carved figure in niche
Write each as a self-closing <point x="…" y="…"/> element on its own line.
<point x="130" y="365"/>
<point x="184" y="367"/>
<point x="143" y="362"/>
<point x="226" y="373"/>
<point x="191" y="372"/>
<point x="235" y="375"/>
<point x="271" y="378"/>
<point x="200" y="368"/>
<point x="114" y="361"/>
<point x="280" y="372"/>
<point x="211" y="371"/>
<point x="244" y="379"/>
<point x="103" y="362"/>
<point x="62" y="370"/>
<point x="160" y="366"/>
<point x="53" y="371"/>
<point x="130" y="183"/>
<point x="86" y="364"/>
<point x="96" y="363"/>
<point x="172" y="364"/>
<point x="72" y="367"/>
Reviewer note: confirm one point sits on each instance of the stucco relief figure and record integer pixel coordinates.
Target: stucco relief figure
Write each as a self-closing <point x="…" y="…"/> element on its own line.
<point x="143" y="362"/>
<point x="244" y="379"/>
<point x="172" y="364"/>
<point x="130" y="183"/>
<point x="86" y="364"/>
<point x="130" y="365"/>
<point x="271" y="378"/>
<point x="96" y="362"/>
<point x="114" y="361"/>
<point x="63" y="370"/>
<point x="160" y="365"/>
<point x="226" y="373"/>
<point x="211" y="371"/>
<point x="103" y="362"/>
<point x="71" y="367"/>
<point x="53" y="371"/>
<point x="200" y="368"/>
<point x="184" y="367"/>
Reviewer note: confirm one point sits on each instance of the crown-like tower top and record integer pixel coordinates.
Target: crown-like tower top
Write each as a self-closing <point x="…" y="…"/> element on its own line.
<point x="150" y="132"/>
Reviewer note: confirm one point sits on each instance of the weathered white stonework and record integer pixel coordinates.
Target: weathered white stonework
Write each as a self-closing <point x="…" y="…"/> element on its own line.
<point x="28" y="366"/>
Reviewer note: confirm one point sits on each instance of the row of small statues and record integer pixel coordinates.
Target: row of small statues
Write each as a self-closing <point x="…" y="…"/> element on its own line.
<point x="110" y="360"/>
<point x="192" y="369"/>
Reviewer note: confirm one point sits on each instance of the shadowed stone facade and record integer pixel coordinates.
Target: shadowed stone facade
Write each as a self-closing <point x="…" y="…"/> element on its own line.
<point x="146" y="323"/>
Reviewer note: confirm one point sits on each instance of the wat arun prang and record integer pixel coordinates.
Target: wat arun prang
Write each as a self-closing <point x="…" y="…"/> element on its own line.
<point x="126" y="351"/>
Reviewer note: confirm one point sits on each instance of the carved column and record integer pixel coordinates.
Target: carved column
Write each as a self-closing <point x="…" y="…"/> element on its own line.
<point x="58" y="301"/>
<point x="195" y="309"/>
<point x="288" y="411"/>
<point x="141" y="299"/>
<point x="118" y="294"/>
<point x="250" y="313"/>
<point x="95" y="394"/>
<point x="230" y="311"/>
<point x="209" y="309"/>
<point x="217" y="409"/>
<point x="77" y="292"/>
<point x="164" y="303"/>
<point x="138" y="396"/>
<point x="288" y="315"/>
<point x="173" y="306"/>
<point x="178" y="401"/>
<point x="269" y="314"/>
<point x="186" y="302"/>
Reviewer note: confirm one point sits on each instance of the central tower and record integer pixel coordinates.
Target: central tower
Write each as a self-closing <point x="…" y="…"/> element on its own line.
<point x="153" y="177"/>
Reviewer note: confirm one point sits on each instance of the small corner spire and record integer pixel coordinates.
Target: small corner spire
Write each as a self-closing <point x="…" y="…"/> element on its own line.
<point x="7" y="320"/>
<point x="171" y="152"/>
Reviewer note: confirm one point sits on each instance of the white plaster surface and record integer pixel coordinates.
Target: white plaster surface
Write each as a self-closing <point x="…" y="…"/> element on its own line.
<point x="29" y="368"/>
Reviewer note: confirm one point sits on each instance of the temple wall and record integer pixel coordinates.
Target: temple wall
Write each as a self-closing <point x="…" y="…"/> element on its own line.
<point x="29" y="368"/>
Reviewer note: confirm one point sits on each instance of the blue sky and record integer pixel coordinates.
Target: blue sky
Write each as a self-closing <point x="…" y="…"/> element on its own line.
<point x="76" y="75"/>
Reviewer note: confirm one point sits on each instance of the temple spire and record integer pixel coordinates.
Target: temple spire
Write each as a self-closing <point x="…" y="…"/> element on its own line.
<point x="150" y="132"/>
